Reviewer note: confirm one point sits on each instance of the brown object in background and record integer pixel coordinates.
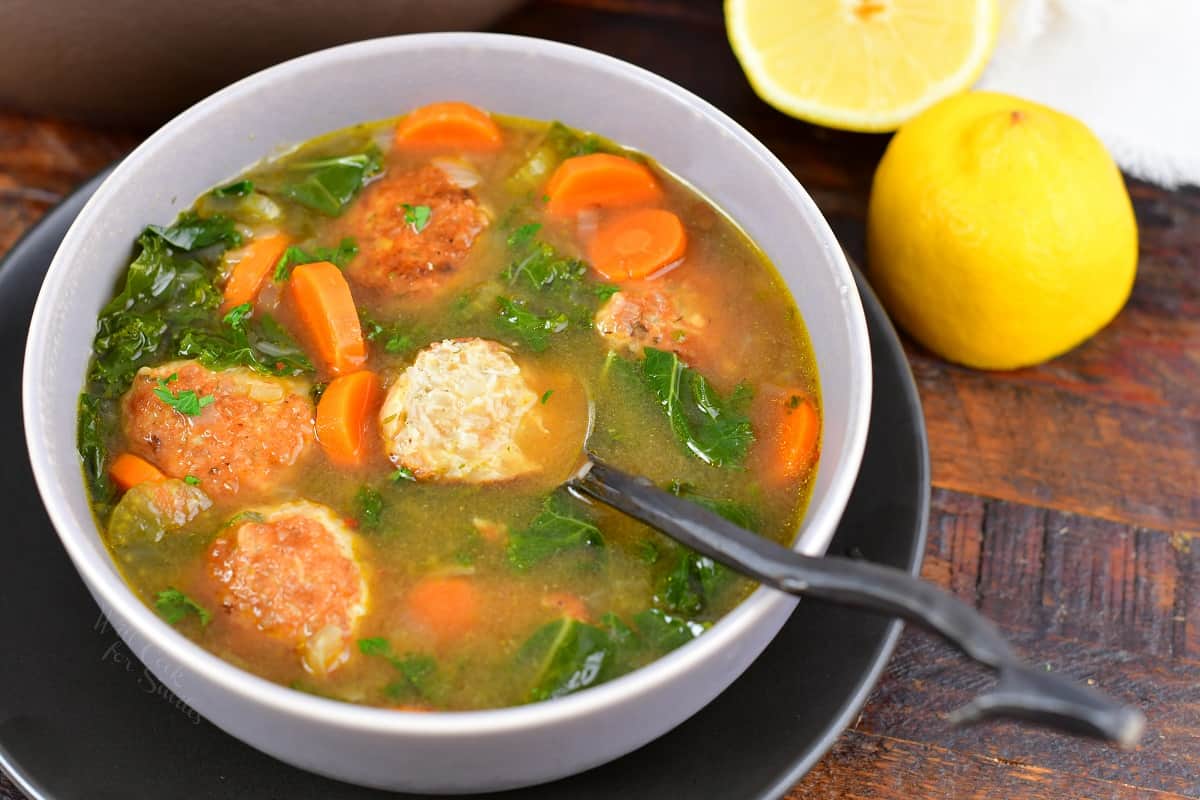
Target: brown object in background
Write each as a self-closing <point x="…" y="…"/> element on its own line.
<point x="136" y="63"/>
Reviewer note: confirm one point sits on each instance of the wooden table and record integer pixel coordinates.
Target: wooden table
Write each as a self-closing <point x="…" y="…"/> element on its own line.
<point x="1066" y="500"/>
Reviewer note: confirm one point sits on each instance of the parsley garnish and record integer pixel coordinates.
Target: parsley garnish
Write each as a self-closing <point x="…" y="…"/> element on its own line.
<point x="403" y="474"/>
<point x="370" y="507"/>
<point x="546" y="396"/>
<point x="191" y="480"/>
<point x="174" y="605"/>
<point x="417" y="216"/>
<point x="185" y="402"/>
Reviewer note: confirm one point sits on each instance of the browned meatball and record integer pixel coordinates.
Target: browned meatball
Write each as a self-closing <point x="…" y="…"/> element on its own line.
<point x="393" y="255"/>
<point x="253" y="430"/>
<point x="292" y="573"/>
<point x="650" y="315"/>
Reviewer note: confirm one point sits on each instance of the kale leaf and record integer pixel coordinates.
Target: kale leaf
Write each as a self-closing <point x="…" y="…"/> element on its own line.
<point x="131" y="332"/>
<point x="339" y="256"/>
<point x="370" y="507"/>
<point x="329" y="184"/>
<point x="515" y="318"/>
<point x="663" y="632"/>
<point x="557" y="528"/>
<point x="95" y="414"/>
<point x="193" y="232"/>
<point x="418" y="672"/>
<point x="712" y="430"/>
<point x="263" y="347"/>
<point x="235" y="189"/>
<point x="564" y="656"/>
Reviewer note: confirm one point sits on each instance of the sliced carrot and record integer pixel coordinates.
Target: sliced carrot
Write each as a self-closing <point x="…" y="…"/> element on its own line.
<point x="600" y="179"/>
<point x="637" y="243"/>
<point x="128" y="470"/>
<point x="344" y="417"/>
<point x="568" y="605"/>
<point x="252" y="264"/>
<point x="449" y="607"/>
<point x="794" y="429"/>
<point x="326" y="309"/>
<point x="453" y="125"/>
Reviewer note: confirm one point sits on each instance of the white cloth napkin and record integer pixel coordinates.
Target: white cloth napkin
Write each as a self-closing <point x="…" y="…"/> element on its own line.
<point x="1130" y="69"/>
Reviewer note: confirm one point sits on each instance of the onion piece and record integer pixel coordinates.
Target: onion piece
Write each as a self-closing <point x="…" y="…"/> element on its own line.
<point x="586" y="223"/>
<point x="461" y="173"/>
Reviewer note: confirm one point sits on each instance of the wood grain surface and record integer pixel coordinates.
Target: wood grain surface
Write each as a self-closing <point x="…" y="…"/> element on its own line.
<point x="1067" y="496"/>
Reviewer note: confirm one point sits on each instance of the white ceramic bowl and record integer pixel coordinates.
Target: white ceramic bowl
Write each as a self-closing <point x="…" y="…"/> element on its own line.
<point x="214" y="140"/>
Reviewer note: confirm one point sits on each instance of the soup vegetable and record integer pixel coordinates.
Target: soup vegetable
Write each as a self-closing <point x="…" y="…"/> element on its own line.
<point x="331" y="406"/>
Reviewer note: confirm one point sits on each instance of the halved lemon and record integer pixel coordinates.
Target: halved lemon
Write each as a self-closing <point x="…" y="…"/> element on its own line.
<point x="861" y="65"/>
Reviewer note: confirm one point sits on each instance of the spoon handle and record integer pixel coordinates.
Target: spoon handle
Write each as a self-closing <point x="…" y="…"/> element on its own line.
<point x="1021" y="691"/>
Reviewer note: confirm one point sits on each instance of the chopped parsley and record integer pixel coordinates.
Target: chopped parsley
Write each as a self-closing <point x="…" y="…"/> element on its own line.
<point x="417" y="216"/>
<point x="186" y="402"/>
<point x="174" y="605"/>
<point x="191" y="480"/>
<point x="546" y="396"/>
<point x="403" y="474"/>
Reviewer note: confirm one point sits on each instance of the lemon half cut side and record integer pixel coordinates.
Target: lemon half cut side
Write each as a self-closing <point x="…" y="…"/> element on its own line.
<point x="860" y="65"/>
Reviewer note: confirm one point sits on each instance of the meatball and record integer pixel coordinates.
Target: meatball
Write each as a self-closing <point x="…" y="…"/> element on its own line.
<point x="251" y="432"/>
<point x="641" y="316"/>
<point x="455" y="413"/>
<point x="394" y="255"/>
<point x="292" y="573"/>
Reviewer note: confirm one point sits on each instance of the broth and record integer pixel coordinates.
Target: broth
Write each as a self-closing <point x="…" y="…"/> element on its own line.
<point x="467" y="594"/>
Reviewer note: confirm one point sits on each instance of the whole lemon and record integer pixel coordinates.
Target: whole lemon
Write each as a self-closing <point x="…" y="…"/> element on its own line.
<point x="999" y="232"/>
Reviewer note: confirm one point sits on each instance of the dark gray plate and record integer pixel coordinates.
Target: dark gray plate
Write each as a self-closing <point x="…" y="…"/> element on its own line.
<point x="79" y="717"/>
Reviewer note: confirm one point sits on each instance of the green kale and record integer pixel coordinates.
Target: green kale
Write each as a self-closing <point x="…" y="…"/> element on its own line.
<point x="565" y="656"/>
<point x="236" y="189"/>
<point x="689" y="588"/>
<point x="418" y="672"/>
<point x="339" y="256"/>
<point x="533" y="329"/>
<point x="397" y="338"/>
<point x="193" y="232"/>
<point x="557" y="528"/>
<point x="714" y="431"/>
<point x="174" y="605"/>
<point x="263" y="346"/>
<point x="95" y="414"/>
<point x="329" y="184"/>
<point x="370" y="507"/>
<point x="131" y="333"/>
<point x="663" y="632"/>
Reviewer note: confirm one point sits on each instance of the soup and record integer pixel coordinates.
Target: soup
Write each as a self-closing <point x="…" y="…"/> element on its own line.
<point x="330" y="408"/>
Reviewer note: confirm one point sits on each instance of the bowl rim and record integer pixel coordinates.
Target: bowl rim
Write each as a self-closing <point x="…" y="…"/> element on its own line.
<point x="112" y="591"/>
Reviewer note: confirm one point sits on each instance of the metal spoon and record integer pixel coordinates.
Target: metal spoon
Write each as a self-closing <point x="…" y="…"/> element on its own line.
<point x="1021" y="692"/>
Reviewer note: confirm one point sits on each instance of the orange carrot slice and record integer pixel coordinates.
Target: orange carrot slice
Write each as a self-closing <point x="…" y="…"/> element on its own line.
<point x="451" y="126"/>
<point x="325" y="308"/>
<point x="344" y="417"/>
<point x="447" y="606"/>
<point x="637" y="243"/>
<point x="568" y="605"/>
<point x="600" y="179"/>
<point x="794" y="428"/>
<point x="253" y="264"/>
<point x="128" y="470"/>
